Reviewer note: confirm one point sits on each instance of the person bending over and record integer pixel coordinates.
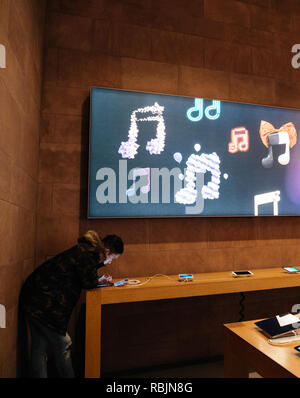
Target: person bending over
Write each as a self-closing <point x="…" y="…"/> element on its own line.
<point x="50" y="293"/>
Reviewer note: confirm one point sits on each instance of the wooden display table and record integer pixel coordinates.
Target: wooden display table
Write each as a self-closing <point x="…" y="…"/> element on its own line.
<point x="246" y="346"/>
<point x="161" y="288"/>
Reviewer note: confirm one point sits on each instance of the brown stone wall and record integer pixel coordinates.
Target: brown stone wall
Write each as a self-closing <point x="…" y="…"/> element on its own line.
<point x="225" y="49"/>
<point x="232" y="50"/>
<point x="21" y="32"/>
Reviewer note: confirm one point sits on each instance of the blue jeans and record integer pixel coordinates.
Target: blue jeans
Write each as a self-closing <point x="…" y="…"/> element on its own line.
<point x="41" y="339"/>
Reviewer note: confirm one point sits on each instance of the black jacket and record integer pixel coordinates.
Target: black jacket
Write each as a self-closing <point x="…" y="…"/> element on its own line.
<point x="51" y="292"/>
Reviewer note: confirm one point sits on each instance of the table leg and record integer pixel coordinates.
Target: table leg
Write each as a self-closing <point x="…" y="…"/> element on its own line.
<point x="93" y="334"/>
<point x="234" y="365"/>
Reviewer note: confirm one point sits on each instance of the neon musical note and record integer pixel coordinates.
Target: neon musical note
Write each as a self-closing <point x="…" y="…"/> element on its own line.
<point x="197" y="108"/>
<point x="156" y="145"/>
<point x="281" y="137"/>
<point x="215" y="107"/>
<point x="269" y="197"/>
<point x="212" y="112"/>
<point x="134" y="187"/>
<point x="239" y="140"/>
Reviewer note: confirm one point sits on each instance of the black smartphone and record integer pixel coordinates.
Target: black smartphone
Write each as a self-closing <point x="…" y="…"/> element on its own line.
<point x="242" y="273"/>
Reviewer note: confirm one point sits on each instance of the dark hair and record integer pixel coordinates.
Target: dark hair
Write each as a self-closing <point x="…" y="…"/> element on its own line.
<point x="114" y="243"/>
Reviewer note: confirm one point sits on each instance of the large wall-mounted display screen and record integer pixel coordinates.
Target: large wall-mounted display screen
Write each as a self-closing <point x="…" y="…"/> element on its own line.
<point x="154" y="155"/>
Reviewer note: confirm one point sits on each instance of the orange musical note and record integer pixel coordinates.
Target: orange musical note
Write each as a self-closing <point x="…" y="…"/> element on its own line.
<point x="239" y="140"/>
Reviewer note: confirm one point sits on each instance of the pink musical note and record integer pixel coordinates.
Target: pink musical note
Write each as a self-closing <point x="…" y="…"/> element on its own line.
<point x="239" y="140"/>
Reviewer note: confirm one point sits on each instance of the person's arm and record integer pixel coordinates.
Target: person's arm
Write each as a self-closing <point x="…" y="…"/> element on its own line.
<point x="87" y="271"/>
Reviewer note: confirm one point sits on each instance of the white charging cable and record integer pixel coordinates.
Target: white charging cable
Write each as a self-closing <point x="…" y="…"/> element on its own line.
<point x="134" y="282"/>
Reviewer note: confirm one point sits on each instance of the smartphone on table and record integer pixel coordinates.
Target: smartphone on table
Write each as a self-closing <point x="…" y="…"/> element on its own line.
<point x="242" y="273"/>
<point x="291" y="269"/>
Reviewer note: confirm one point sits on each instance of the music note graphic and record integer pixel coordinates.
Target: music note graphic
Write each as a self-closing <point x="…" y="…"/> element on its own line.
<point x="279" y="138"/>
<point x="134" y="187"/>
<point x="196" y="110"/>
<point x="155" y="146"/>
<point x="212" y="112"/>
<point x="269" y="197"/>
<point x="200" y="164"/>
<point x="239" y="140"/>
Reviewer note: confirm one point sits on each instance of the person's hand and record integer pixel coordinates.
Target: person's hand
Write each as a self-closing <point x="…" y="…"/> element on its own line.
<point x="105" y="280"/>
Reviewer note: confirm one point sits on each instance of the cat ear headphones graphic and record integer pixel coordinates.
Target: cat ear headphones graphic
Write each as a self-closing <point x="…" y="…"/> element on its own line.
<point x="270" y="136"/>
